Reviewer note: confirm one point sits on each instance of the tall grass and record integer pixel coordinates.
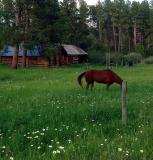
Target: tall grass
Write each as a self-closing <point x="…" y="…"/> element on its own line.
<point x="44" y="114"/>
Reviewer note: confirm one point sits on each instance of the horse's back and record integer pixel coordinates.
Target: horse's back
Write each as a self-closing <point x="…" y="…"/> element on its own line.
<point x="102" y="76"/>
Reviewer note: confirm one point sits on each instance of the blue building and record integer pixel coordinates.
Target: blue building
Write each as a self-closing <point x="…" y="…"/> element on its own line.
<point x="68" y="54"/>
<point x="34" y="57"/>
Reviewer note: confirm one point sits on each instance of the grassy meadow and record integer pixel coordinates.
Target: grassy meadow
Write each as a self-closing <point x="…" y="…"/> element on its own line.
<point x="45" y="115"/>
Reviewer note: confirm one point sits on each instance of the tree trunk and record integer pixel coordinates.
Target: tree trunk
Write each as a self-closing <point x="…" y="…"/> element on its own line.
<point x="129" y="43"/>
<point x="26" y="28"/>
<point x="135" y="34"/>
<point x="15" y="57"/>
<point x="24" y="57"/>
<point x="119" y="39"/>
<point x="109" y="58"/>
<point x="99" y="29"/>
<point x="114" y="37"/>
<point x="106" y="60"/>
<point x="16" y="48"/>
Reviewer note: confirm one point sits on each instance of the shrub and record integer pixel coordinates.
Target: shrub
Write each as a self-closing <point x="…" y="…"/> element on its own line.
<point x="139" y="48"/>
<point x="133" y="58"/>
<point x="50" y="51"/>
<point x="149" y="52"/>
<point x="97" y="56"/>
<point x="117" y="59"/>
<point x="97" y="53"/>
<point x="149" y="60"/>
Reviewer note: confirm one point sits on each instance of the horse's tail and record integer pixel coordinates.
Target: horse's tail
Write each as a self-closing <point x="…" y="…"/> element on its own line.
<point x="80" y="78"/>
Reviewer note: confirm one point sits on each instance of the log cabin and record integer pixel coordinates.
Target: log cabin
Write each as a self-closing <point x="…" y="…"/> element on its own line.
<point x="68" y="54"/>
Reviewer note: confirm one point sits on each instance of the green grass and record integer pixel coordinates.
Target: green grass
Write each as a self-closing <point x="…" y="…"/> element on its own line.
<point x="44" y="109"/>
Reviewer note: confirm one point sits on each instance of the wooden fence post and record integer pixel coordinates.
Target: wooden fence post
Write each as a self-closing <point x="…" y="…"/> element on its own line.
<point x="124" y="91"/>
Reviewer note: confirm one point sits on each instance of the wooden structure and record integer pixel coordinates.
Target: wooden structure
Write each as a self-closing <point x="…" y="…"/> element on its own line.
<point x="68" y="54"/>
<point x="30" y="61"/>
<point x="124" y="91"/>
<point x="139" y="36"/>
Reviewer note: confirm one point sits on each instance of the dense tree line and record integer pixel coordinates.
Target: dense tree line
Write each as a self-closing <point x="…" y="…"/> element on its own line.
<point x="117" y="27"/>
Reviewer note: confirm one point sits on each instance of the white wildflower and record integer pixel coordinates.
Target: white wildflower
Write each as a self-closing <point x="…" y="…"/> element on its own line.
<point x="84" y="129"/>
<point x="119" y="149"/>
<point x="61" y="147"/>
<point x="58" y="151"/>
<point x="54" y="152"/>
<point x="69" y="141"/>
<point x="11" y="158"/>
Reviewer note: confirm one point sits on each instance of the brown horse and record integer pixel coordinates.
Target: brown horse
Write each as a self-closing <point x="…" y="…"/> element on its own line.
<point x="107" y="77"/>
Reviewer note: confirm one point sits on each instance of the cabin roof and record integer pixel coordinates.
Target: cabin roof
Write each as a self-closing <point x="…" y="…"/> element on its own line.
<point x="70" y="50"/>
<point x="73" y="50"/>
<point x="9" y="52"/>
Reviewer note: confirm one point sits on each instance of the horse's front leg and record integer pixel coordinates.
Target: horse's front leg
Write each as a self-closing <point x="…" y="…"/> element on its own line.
<point x="91" y="85"/>
<point x="107" y="86"/>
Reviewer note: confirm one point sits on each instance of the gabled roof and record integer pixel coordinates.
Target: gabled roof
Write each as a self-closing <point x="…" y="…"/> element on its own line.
<point x="9" y="52"/>
<point x="73" y="50"/>
<point x="70" y="50"/>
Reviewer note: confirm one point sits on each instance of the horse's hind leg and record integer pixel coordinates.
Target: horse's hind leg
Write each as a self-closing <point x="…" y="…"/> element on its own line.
<point x="91" y="85"/>
<point x="87" y="87"/>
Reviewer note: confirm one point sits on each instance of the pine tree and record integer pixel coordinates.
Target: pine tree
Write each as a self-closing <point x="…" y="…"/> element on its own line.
<point x="82" y="29"/>
<point x="69" y="14"/>
<point x="144" y="22"/>
<point x="44" y="29"/>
